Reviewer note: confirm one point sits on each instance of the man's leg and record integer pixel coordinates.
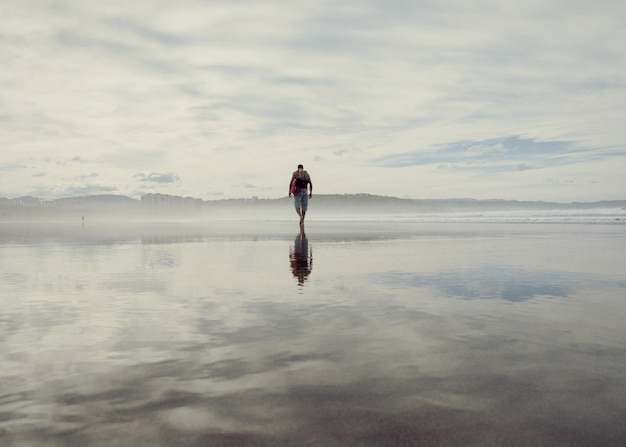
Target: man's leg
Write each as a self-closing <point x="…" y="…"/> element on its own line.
<point x="305" y="206"/>
<point x="297" y="200"/>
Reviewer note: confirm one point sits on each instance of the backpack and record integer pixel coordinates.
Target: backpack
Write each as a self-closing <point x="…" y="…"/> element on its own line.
<point x="300" y="181"/>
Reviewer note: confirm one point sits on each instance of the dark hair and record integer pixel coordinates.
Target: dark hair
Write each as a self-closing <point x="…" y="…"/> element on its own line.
<point x="300" y="166"/>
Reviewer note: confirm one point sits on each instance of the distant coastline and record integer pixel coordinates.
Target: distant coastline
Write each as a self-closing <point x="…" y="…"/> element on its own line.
<point x="339" y="205"/>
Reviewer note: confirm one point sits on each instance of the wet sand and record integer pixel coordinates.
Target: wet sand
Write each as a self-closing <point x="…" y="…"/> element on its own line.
<point x="346" y="334"/>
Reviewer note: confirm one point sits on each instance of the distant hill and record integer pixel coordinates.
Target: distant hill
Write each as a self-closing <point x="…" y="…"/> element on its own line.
<point x="165" y="205"/>
<point x="105" y="200"/>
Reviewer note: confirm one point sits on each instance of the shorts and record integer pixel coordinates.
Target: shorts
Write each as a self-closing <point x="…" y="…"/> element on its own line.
<point x="301" y="199"/>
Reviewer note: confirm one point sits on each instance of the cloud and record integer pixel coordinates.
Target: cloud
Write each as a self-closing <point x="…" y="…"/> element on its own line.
<point x="149" y="33"/>
<point x="89" y="190"/>
<point x="87" y="176"/>
<point x="12" y="167"/>
<point x="158" y="177"/>
<point x="350" y="89"/>
<point x="504" y="154"/>
<point x="512" y="285"/>
<point x="524" y="167"/>
<point x="72" y="190"/>
<point x="486" y="149"/>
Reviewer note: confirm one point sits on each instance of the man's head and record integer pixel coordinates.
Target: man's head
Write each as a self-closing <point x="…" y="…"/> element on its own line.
<point x="300" y="167"/>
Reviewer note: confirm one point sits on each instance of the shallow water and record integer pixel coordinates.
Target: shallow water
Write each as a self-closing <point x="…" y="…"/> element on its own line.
<point x="351" y="334"/>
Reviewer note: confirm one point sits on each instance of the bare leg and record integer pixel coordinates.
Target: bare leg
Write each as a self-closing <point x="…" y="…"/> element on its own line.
<point x="298" y="210"/>
<point x="302" y="217"/>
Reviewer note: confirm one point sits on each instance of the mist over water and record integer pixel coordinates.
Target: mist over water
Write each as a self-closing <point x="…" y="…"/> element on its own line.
<point x="353" y="207"/>
<point x="344" y="333"/>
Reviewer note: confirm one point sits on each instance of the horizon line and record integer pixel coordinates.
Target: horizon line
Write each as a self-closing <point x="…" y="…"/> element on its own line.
<point x="322" y="195"/>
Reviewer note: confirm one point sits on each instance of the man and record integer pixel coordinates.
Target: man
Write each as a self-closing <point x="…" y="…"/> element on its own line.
<point x="300" y="185"/>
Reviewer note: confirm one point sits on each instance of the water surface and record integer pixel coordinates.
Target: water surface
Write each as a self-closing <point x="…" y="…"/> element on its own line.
<point x="348" y="334"/>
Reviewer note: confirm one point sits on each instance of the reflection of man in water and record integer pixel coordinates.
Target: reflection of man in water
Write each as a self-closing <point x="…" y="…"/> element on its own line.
<point x="301" y="258"/>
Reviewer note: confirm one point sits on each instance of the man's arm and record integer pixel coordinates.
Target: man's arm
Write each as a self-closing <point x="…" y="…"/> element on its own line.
<point x="290" y="182"/>
<point x="310" y="188"/>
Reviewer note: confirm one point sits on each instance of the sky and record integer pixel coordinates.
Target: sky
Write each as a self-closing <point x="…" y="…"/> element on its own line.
<point x="219" y="99"/>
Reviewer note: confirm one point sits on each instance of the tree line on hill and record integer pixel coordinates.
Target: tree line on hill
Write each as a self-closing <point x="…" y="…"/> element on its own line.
<point x="155" y="204"/>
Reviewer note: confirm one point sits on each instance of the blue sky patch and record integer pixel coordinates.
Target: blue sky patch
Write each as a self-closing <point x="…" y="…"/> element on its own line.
<point x="497" y="154"/>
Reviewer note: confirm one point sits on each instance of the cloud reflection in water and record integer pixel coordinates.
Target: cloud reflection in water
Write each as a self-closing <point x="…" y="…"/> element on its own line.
<point x="493" y="282"/>
<point x="205" y="341"/>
